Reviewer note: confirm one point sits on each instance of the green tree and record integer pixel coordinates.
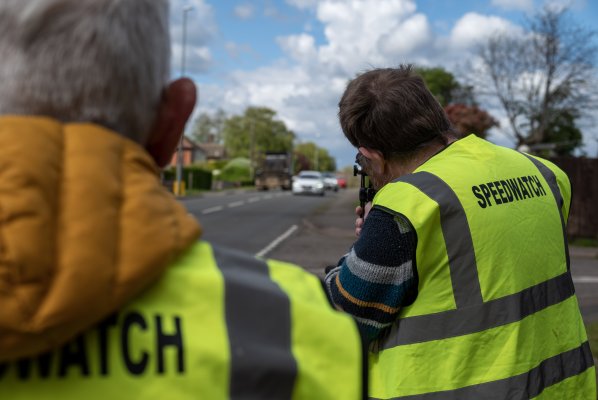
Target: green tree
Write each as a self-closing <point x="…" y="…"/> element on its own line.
<point x="441" y="83"/>
<point x="563" y="133"/>
<point x="308" y="156"/>
<point x="256" y="131"/>
<point x="207" y="128"/>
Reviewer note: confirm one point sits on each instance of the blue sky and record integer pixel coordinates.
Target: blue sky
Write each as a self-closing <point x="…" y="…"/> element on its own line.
<point x="295" y="56"/>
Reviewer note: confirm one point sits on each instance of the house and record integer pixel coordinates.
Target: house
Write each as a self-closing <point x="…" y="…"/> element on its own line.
<point x="212" y="151"/>
<point x="197" y="152"/>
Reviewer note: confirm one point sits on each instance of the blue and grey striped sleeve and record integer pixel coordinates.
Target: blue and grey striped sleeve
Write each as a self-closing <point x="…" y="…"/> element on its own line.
<point x="378" y="276"/>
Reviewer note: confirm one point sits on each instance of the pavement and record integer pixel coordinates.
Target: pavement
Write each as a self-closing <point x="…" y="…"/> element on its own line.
<point x="323" y="237"/>
<point x="583" y="252"/>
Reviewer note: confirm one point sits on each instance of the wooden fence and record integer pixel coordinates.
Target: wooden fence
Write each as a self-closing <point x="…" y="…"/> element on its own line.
<point x="583" y="217"/>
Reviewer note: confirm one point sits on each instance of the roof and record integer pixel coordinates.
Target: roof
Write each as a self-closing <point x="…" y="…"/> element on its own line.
<point x="212" y="150"/>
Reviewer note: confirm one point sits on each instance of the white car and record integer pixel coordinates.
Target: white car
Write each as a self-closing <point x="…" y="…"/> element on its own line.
<point x="330" y="181"/>
<point x="310" y="182"/>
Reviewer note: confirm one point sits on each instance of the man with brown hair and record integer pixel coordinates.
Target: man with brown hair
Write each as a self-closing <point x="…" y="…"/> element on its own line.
<point x="460" y="276"/>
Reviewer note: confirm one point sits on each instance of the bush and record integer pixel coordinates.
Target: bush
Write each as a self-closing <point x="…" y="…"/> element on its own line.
<point x="237" y="170"/>
<point x="211" y="165"/>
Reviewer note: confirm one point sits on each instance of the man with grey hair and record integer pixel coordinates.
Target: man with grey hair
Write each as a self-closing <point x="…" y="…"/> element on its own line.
<point x="105" y="290"/>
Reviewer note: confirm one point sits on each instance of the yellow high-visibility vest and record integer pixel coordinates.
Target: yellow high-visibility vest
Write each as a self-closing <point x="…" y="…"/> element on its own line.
<point x="218" y="325"/>
<point x="496" y="316"/>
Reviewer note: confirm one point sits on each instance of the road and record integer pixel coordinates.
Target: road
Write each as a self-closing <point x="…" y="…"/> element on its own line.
<point x="314" y="232"/>
<point x="252" y="221"/>
<point x="585" y="279"/>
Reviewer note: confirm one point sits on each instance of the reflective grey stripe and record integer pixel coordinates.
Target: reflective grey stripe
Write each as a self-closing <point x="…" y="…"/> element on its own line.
<point x="524" y="386"/>
<point x="493" y="313"/>
<point x="550" y="177"/>
<point x="259" y="329"/>
<point x="457" y="236"/>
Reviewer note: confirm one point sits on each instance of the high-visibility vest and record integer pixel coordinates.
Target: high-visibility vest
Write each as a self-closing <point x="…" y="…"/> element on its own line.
<point x="496" y="316"/>
<point x="218" y="325"/>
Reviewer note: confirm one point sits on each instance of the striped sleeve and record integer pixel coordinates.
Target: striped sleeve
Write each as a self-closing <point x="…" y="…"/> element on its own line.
<point x="377" y="277"/>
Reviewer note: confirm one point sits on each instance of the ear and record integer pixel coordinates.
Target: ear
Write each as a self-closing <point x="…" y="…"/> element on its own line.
<point x="176" y="106"/>
<point x="376" y="158"/>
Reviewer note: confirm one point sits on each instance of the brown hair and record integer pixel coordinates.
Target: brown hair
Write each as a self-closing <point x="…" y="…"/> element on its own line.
<point x="391" y="110"/>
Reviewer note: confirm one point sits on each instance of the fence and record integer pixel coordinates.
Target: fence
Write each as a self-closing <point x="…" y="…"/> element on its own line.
<point x="583" y="173"/>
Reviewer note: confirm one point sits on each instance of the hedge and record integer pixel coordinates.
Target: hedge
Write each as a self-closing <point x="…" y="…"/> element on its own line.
<point x="200" y="178"/>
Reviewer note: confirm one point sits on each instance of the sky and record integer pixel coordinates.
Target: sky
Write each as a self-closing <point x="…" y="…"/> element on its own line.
<point x="296" y="56"/>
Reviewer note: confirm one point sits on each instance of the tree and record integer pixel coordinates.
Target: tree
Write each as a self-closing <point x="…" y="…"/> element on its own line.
<point x="542" y="78"/>
<point x="445" y="87"/>
<point x="208" y="128"/>
<point x="458" y="101"/>
<point x="308" y="156"/>
<point x="256" y="131"/>
<point x="563" y="134"/>
<point x="470" y="119"/>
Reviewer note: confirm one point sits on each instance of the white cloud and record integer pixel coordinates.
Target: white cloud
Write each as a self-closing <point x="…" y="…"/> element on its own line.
<point x="243" y="11"/>
<point x="414" y="33"/>
<point x="299" y="47"/>
<point x="523" y="5"/>
<point x="362" y="33"/>
<point x="473" y="28"/>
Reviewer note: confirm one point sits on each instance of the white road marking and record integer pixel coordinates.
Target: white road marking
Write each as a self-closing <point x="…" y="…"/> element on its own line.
<point x="236" y="204"/>
<point x="240" y="203"/>
<point x="585" y="279"/>
<point x="212" y="210"/>
<point x="276" y="242"/>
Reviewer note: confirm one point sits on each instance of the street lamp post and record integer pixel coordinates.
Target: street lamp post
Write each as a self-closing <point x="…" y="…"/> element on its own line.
<point x="316" y="153"/>
<point x="179" y="158"/>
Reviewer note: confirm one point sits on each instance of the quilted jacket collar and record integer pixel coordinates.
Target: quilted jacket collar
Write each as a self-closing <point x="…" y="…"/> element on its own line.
<point x="85" y="225"/>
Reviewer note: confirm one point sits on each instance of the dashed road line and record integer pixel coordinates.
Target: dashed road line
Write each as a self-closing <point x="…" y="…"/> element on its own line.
<point x="242" y="202"/>
<point x="212" y="210"/>
<point x="585" y="279"/>
<point x="276" y="242"/>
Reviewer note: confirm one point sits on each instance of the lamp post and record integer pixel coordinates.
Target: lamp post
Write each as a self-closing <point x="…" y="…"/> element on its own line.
<point x="179" y="158"/>
<point x="316" y="153"/>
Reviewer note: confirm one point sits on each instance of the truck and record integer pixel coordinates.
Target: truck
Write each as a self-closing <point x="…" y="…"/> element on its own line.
<point x="274" y="170"/>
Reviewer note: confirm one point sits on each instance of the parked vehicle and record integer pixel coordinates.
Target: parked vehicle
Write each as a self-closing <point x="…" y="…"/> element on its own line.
<point x="342" y="182"/>
<point x="274" y="171"/>
<point x="330" y="181"/>
<point x="309" y="182"/>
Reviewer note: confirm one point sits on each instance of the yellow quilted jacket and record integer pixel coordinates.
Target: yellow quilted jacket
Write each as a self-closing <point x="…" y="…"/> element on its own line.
<point x="85" y="225"/>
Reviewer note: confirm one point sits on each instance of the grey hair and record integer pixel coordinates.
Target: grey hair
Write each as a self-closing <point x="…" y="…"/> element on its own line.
<point x="101" y="61"/>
